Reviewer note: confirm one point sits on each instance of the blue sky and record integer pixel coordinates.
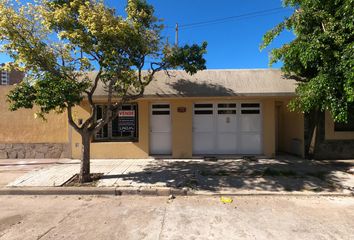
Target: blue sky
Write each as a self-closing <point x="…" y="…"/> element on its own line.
<point x="231" y="44"/>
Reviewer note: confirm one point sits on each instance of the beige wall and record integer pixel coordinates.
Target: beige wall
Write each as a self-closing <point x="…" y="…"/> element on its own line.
<point x="182" y="132"/>
<point x="21" y="126"/>
<point x="333" y="135"/>
<point x="291" y="129"/>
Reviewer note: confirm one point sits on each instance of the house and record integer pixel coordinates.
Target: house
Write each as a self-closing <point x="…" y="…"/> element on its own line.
<point x="212" y="113"/>
<point x="10" y="78"/>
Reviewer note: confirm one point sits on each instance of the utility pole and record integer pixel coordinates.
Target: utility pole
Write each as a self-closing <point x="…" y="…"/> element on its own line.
<point x="176" y="35"/>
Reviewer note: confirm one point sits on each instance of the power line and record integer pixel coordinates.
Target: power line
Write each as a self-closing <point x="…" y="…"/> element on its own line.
<point x="239" y="19"/>
<point x="232" y="18"/>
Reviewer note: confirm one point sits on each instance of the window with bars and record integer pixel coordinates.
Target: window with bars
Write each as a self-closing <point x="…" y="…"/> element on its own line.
<point x="122" y="128"/>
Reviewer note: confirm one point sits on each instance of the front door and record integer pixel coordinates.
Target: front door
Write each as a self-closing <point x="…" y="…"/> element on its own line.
<point x="160" y="129"/>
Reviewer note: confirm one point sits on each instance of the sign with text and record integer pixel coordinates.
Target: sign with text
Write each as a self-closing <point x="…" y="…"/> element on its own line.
<point x="126" y="113"/>
<point x="126" y="120"/>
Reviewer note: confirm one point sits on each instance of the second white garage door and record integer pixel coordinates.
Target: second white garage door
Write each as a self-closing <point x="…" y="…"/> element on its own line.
<point x="227" y="128"/>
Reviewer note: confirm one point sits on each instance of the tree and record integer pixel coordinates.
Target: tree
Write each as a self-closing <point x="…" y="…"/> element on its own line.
<point x="321" y="57"/>
<point x="57" y="42"/>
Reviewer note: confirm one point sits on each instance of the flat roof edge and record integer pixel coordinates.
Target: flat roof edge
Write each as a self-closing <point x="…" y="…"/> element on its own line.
<point x="289" y="94"/>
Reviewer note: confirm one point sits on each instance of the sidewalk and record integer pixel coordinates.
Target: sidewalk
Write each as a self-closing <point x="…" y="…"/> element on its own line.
<point x="284" y="175"/>
<point x="11" y="169"/>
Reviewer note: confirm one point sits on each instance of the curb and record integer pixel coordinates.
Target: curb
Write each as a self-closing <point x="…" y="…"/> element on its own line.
<point x="126" y="191"/>
<point x="57" y="191"/>
<point x="110" y="191"/>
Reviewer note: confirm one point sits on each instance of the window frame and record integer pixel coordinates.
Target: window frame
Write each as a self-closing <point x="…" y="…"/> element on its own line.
<point x="110" y="137"/>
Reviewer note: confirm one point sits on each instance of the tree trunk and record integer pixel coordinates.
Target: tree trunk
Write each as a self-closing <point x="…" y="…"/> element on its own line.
<point x="313" y="119"/>
<point x="85" y="158"/>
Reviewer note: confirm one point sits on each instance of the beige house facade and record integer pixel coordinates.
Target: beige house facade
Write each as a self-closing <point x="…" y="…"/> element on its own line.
<point x="212" y="113"/>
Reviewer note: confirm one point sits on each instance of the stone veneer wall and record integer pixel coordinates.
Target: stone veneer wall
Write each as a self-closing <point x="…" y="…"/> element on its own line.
<point x="328" y="149"/>
<point x="34" y="150"/>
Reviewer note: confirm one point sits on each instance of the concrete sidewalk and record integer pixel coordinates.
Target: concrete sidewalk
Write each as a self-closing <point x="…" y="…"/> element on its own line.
<point x="11" y="169"/>
<point x="114" y="172"/>
<point x="283" y="175"/>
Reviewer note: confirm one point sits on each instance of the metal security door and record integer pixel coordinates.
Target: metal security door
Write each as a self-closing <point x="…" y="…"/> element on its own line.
<point x="160" y="129"/>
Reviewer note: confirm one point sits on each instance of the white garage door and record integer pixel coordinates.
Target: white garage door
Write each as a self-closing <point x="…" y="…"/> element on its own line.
<point x="250" y="129"/>
<point x="227" y="128"/>
<point x="160" y="129"/>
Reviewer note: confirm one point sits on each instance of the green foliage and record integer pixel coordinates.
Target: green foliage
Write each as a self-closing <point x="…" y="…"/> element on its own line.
<point x="321" y="58"/>
<point x="48" y="92"/>
<point x="140" y="12"/>
<point x="23" y="96"/>
<point x="57" y="42"/>
<point x="191" y="57"/>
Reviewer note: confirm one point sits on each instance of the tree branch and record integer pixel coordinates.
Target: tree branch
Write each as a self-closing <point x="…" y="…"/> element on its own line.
<point x="146" y="83"/>
<point x="71" y="120"/>
<point x="90" y="93"/>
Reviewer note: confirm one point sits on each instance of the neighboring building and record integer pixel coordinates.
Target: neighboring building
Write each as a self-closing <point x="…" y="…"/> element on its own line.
<point x="10" y="78"/>
<point x="212" y="113"/>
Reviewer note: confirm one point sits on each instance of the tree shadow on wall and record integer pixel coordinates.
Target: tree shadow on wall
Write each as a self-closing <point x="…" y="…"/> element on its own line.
<point x="188" y="88"/>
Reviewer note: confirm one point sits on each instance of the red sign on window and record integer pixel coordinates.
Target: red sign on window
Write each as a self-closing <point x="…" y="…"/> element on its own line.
<point x="126" y="113"/>
<point x="126" y="120"/>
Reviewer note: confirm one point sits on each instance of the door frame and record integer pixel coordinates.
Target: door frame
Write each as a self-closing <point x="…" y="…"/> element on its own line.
<point x="151" y="131"/>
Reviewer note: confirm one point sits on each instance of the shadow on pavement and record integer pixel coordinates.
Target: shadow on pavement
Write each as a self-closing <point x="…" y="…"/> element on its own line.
<point x="282" y="174"/>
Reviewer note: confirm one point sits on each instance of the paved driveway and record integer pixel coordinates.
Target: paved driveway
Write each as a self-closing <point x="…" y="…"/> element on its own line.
<point x="131" y="218"/>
